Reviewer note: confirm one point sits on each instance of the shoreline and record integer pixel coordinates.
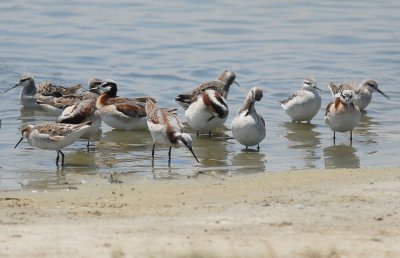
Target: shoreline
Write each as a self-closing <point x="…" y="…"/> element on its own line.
<point x="308" y="213"/>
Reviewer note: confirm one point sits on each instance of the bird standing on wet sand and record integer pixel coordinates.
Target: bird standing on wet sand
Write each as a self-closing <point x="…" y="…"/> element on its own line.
<point x="30" y="91"/>
<point x="341" y="114"/>
<point x="222" y="85"/>
<point x="165" y="128"/>
<point x="81" y="112"/>
<point x="53" y="136"/>
<point x="248" y="127"/>
<point x="362" y="91"/>
<point x="207" y="112"/>
<point x="305" y="103"/>
<point x="119" y="112"/>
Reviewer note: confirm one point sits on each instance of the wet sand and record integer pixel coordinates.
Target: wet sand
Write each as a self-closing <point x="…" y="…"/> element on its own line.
<point x="321" y="213"/>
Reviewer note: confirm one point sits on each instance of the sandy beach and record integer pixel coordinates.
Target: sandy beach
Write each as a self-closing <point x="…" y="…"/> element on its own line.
<point x="313" y="213"/>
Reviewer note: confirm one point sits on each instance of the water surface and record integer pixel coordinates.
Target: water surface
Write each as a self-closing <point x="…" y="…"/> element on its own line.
<point x="163" y="48"/>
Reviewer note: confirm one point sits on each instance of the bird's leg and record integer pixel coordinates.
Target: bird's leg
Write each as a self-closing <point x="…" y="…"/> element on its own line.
<point x="169" y="157"/>
<point x="351" y="137"/>
<point x="334" y="138"/>
<point x="87" y="146"/>
<point x="197" y="133"/>
<point x="62" y="157"/>
<point x="152" y="155"/>
<point x="258" y="147"/>
<point x="209" y="134"/>
<point x="58" y="157"/>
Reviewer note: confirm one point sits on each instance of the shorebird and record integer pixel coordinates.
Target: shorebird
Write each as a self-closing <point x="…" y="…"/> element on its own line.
<point x="81" y="112"/>
<point x="341" y="114"/>
<point x="119" y="112"/>
<point x="53" y="136"/>
<point x="305" y="103"/>
<point x="30" y="91"/>
<point x="248" y="127"/>
<point x="57" y="105"/>
<point x="207" y="112"/>
<point x="362" y="91"/>
<point x="165" y="128"/>
<point x="222" y="84"/>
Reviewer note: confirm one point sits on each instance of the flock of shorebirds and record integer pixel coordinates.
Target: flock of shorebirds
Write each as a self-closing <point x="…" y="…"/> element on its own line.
<point x="80" y="113"/>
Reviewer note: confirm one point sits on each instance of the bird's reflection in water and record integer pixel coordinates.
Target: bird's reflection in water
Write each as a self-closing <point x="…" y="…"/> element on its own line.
<point x="303" y="137"/>
<point x="119" y="146"/>
<point x="250" y="161"/>
<point x="367" y="128"/>
<point x="212" y="151"/>
<point x="33" y="115"/>
<point x="341" y="156"/>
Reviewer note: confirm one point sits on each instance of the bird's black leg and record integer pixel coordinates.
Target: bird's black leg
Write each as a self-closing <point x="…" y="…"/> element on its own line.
<point x="62" y="158"/>
<point x="58" y="157"/>
<point x="351" y="137"/>
<point x="169" y="157"/>
<point x="152" y="155"/>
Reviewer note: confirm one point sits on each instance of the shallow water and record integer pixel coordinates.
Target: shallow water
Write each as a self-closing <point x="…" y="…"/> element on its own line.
<point x="163" y="48"/>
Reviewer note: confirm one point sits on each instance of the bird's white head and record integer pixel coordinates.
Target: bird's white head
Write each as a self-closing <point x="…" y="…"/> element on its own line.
<point x="372" y="86"/>
<point x="310" y="83"/>
<point x="184" y="139"/>
<point x="346" y="96"/>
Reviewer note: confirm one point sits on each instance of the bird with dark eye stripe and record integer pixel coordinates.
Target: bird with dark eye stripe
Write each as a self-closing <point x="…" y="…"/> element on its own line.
<point x="119" y="112"/>
<point x="362" y="91"/>
<point x="207" y="112"/>
<point x="165" y="128"/>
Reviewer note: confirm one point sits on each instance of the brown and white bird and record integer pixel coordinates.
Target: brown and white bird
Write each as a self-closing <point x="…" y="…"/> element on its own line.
<point x="208" y="111"/>
<point x="222" y="84"/>
<point x="56" y="105"/>
<point x="30" y="91"/>
<point x="342" y="115"/>
<point x="53" y="136"/>
<point x="165" y="128"/>
<point x="80" y="112"/>
<point x="362" y="91"/>
<point x="119" y="112"/>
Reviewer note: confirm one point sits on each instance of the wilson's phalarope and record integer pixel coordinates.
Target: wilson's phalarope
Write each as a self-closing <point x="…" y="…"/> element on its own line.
<point x="207" y="112"/>
<point x="362" y="91"/>
<point x="30" y="92"/>
<point x="57" y="105"/>
<point x="222" y="85"/>
<point x="81" y="112"/>
<point x="165" y="128"/>
<point x="248" y="127"/>
<point x="53" y="136"/>
<point x="341" y="114"/>
<point x="305" y="103"/>
<point x="121" y="113"/>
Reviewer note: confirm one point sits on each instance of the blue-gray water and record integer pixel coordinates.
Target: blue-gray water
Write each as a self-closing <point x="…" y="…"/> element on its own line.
<point x="163" y="48"/>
